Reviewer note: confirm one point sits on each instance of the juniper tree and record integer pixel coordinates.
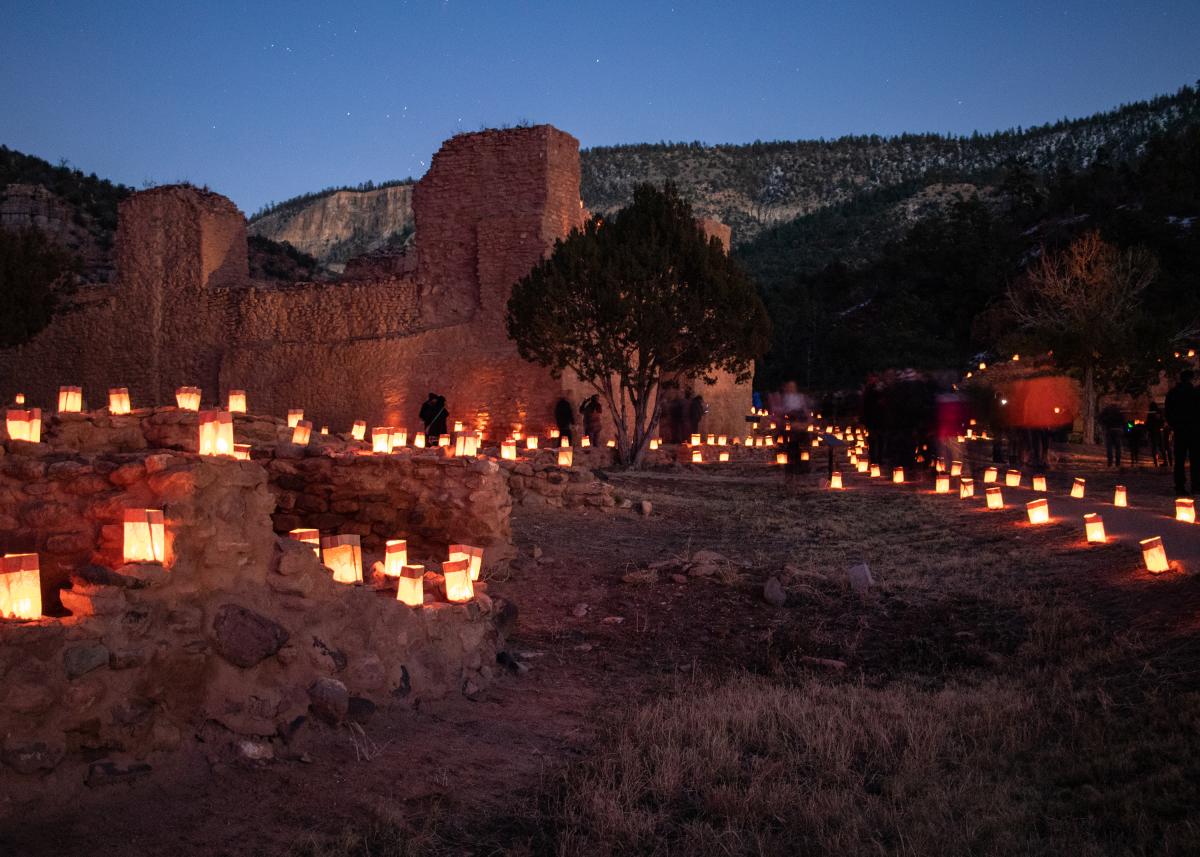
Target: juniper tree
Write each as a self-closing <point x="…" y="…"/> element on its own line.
<point x="630" y="301"/>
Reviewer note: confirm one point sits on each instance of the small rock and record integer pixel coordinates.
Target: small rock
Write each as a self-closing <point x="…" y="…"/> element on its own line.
<point x="255" y="751"/>
<point x="537" y="552"/>
<point x="580" y="610"/>
<point x="584" y="647"/>
<point x="79" y="660"/>
<point x="244" y="637"/>
<point x="644" y="508"/>
<point x="703" y="569"/>
<point x="30" y="756"/>
<point x="709" y="557"/>
<point x="679" y="578"/>
<point x="860" y="578"/>
<point x="612" y="620"/>
<point x="645" y="575"/>
<point x="773" y="592"/>
<point x="329" y="699"/>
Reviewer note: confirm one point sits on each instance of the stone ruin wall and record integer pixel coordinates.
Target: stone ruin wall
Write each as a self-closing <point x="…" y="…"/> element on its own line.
<point x="184" y="312"/>
<point x="238" y="645"/>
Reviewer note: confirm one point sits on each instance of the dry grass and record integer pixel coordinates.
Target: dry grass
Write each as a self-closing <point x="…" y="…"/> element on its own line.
<point x="1005" y="697"/>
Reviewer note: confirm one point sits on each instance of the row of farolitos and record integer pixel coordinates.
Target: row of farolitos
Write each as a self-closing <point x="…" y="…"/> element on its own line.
<point x="1154" y="553"/>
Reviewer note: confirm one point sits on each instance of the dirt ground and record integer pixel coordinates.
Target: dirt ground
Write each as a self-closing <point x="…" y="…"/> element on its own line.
<point x="958" y="592"/>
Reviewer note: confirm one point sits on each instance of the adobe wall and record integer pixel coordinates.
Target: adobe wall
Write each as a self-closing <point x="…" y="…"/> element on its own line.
<point x="183" y="310"/>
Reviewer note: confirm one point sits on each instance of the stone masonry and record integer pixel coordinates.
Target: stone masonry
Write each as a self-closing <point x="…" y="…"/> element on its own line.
<point x="182" y="309"/>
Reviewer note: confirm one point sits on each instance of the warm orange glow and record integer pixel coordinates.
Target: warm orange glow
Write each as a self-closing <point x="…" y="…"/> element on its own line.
<point x="241" y="451"/>
<point x="19" y="399"/>
<point x="531" y="442"/>
<point x="804" y="455"/>
<point x="1077" y="489"/>
<point x="1039" y="483"/>
<point x="236" y="403"/>
<point x="395" y="557"/>
<point x="585" y="442"/>
<point x="655" y="443"/>
<point x="458" y="426"/>
<point x="1038" y="511"/>
<point x="1120" y="496"/>
<point x="1154" y="555"/>
<point x="861" y="465"/>
<point x="419" y="440"/>
<point x="835" y="480"/>
<point x="443" y="440"/>
<point x="301" y="433"/>
<point x="458" y="580"/>
<point x="722" y="440"/>
<point x="1185" y="510"/>
<point x="1012" y="478"/>
<point x="24" y="425"/>
<point x="398" y="439"/>
<point x="1093" y="527"/>
<point x="20" y="586"/>
<point x="711" y="440"/>
<point x="939" y="465"/>
<point x="216" y="433"/>
<point x="309" y="537"/>
<point x="324" y="429"/>
<point x="358" y="431"/>
<point x="381" y="439"/>
<point x="294" y="416"/>
<point x="473" y="556"/>
<point x="897" y="474"/>
<point x="875" y="471"/>
<point x="508" y="450"/>
<point x="565" y="457"/>
<point x="343" y="555"/>
<point x="410" y="587"/>
<point x="697" y="457"/>
<point x="555" y="434"/>
<point x="990" y="475"/>
<point x="941" y="485"/>
<point x="695" y="440"/>
<point x="564" y="442"/>
<point x="781" y="458"/>
<point x="995" y="500"/>
<point x="188" y="398"/>
<point x="144" y="536"/>
<point x="70" y="400"/>
<point x="118" y="400"/>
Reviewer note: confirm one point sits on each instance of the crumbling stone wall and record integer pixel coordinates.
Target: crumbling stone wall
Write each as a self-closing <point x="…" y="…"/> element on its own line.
<point x="183" y="310"/>
<point x="238" y="644"/>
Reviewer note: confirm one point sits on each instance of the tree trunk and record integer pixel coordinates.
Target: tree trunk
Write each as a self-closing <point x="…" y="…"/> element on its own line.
<point x="1089" y="405"/>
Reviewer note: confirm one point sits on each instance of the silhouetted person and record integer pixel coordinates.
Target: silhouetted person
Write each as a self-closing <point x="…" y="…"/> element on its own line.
<point x="564" y="418"/>
<point x="696" y="411"/>
<point x="591" y="410"/>
<point x="1113" y="422"/>
<point x="1182" y="415"/>
<point x="1136" y="439"/>
<point x="434" y="415"/>
<point x="1155" y="433"/>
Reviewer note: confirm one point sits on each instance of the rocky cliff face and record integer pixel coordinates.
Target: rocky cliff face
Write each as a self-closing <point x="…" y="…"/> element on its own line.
<point x="32" y="205"/>
<point x="342" y="224"/>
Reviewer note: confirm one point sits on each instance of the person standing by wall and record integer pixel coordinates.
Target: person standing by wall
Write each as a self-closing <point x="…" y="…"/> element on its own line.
<point x="1183" y="415"/>
<point x="1156" y="433"/>
<point x="434" y="415"/>
<point x="591" y="410"/>
<point x="564" y="418"/>
<point x="696" y="411"/>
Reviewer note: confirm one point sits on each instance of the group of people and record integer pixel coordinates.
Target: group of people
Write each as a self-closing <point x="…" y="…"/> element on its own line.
<point x="1172" y="433"/>
<point x="590" y="409"/>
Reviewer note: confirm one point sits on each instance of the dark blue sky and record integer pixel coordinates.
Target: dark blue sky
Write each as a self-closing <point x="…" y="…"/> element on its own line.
<point x="264" y="100"/>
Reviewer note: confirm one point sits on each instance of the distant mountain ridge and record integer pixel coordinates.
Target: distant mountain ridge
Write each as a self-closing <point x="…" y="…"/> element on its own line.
<point x="756" y="186"/>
